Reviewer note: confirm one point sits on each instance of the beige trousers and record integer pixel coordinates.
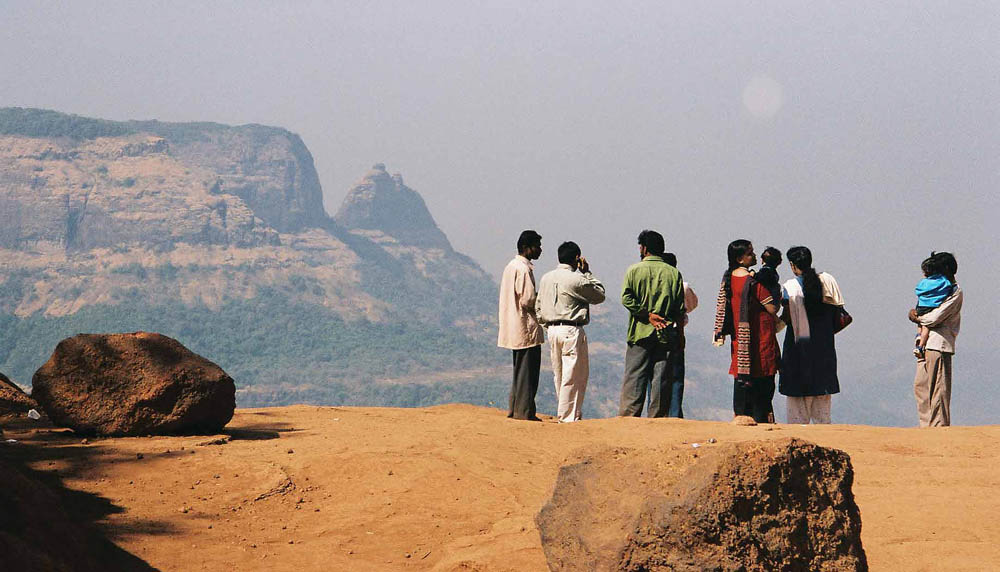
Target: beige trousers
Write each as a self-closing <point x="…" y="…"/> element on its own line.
<point x="932" y="389"/>
<point x="570" y="370"/>
<point x="802" y="410"/>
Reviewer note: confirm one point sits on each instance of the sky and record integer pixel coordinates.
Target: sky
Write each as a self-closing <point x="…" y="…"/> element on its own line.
<point x="869" y="132"/>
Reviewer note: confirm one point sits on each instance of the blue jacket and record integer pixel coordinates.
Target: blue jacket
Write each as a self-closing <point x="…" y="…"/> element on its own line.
<point x="933" y="290"/>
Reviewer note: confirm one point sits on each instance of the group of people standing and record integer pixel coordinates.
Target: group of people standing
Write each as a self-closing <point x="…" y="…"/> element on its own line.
<point x="753" y="306"/>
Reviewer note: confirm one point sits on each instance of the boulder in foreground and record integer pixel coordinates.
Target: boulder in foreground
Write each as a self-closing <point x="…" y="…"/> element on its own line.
<point x="133" y="384"/>
<point x="754" y="506"/>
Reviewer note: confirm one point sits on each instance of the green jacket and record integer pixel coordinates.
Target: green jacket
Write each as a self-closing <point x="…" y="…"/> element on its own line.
<point x="651" y="286"/>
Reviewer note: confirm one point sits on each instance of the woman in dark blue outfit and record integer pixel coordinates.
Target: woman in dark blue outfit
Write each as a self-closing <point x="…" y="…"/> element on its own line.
<point x="808" y="375"/>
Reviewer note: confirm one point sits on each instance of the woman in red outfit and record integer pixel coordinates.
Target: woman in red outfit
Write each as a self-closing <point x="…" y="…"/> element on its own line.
<point x="747" y="312"/>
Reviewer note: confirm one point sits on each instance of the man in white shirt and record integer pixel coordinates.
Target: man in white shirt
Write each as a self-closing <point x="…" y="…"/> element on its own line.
<point x="563" y="307"/>
<point x="519" y="329"/>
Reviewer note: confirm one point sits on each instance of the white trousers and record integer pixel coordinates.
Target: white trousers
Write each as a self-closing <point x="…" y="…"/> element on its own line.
<point x="570" y="370"/>
<point x="802" y="410"/>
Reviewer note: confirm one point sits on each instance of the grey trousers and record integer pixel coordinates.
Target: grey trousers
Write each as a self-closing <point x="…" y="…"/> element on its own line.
<point x="525" y="383"/>
<point x="648" y="364"/>
<point x="932" y="389"/>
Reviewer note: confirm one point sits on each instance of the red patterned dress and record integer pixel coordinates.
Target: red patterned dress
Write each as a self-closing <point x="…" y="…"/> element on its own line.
<point x="764" y="350"/>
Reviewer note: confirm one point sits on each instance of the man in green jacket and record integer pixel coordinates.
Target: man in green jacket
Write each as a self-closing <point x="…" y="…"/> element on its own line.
<point x="653" y="294"/>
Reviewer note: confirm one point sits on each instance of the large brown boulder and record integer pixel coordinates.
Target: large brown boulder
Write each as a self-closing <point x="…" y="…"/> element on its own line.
<point x="133" y="384"/>
<point x="754" y="506"/>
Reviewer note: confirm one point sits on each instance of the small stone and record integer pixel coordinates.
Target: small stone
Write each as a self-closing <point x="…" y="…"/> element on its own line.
<point x="139" y="456"/>
<point x="290" y="451"/>
<point x="291" y="542"/>
<point x="713" y="440"/>
<point x="85" y="442"/>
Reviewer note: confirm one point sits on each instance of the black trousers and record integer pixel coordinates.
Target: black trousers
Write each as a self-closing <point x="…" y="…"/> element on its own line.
<point x="753" y="398"/>
<point x="525" y="385"/>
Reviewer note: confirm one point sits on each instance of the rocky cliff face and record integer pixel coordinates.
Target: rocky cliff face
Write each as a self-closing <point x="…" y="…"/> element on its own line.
<point x="383" y="204"/>
<point x="100" y="212"/>
<point x="155" y="184"/>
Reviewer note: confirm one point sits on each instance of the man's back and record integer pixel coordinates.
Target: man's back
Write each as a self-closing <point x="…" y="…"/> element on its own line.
<point x="565" y="295"/>
<point x="651" y="286"/>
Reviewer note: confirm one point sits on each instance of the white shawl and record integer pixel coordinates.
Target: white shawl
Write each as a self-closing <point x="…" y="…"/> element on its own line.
<point x="797" y="302"/>
<point x="797" y="309"/>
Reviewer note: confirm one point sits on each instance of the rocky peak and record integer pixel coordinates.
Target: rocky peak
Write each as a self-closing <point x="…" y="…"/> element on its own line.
<point x="384" y="203"/>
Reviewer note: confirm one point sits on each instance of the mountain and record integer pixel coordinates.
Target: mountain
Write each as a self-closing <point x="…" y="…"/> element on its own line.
<point x="217" y="235"/>
<point x="382" y="205"/>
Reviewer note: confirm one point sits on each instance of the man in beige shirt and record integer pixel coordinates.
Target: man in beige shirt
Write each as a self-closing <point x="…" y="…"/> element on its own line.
<point x="519" y="329"/>
<point x="563" y="307"/>
<point x="932" y="383"/>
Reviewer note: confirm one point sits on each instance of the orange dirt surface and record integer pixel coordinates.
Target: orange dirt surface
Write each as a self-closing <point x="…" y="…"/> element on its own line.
<point x="457" y="487"/>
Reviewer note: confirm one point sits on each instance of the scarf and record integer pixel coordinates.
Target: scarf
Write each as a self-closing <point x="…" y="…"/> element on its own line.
<point x="724" y="323"/>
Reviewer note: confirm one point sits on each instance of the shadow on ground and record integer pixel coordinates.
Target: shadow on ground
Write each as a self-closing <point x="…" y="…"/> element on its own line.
<point x="48" y="526"/>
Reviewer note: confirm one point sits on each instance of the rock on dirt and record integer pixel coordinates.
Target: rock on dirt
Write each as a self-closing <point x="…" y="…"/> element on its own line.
<point x="754" y="506"/>
<point x="133" y="384"/>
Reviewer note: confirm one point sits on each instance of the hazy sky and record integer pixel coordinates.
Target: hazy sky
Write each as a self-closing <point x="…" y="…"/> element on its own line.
<point x="869" y="132"/>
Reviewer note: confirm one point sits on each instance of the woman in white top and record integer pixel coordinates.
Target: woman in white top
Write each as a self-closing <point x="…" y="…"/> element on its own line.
<point x="808" y="374"/>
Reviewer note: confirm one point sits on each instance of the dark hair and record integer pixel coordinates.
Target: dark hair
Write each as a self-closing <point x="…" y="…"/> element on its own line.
<point x="568" y="251"/>
<point x="653" y="241"/>
<point x="771" y="256"/>
<point x="735" y="251"/>
<point x="528" y="238"/>
<point x="940" y="263"/>
<point x="812" y="288"/>
<point x="670" y="258"/>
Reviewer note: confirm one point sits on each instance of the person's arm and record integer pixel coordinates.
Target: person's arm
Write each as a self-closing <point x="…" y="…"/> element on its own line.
<point x="766" y="300"/>
<point x="831" y="290"/>
<point x="951" y="306"/>
<point x="630" y="298"/>
<point x="588" y="289"/>
<point x="524" y="287"/>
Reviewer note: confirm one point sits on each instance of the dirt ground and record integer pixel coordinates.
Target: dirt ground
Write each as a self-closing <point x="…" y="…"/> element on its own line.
<point x="457" y="487"/>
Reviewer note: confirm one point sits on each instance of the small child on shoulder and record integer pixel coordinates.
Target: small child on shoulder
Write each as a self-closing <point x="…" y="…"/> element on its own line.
<point x="931" y="292"/>
<point x="767" y="276"/>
